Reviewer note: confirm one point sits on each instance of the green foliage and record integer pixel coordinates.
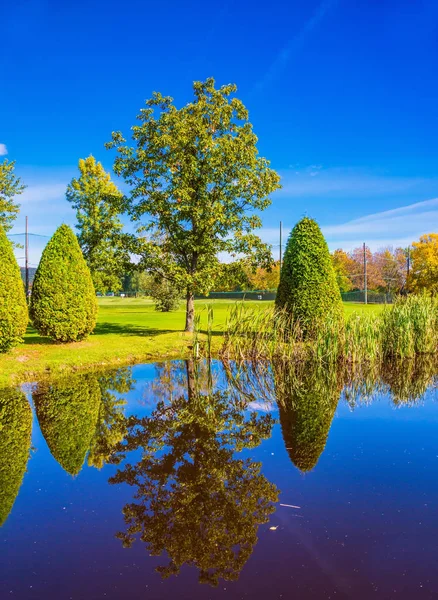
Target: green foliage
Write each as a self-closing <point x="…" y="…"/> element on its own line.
<point x="63" y="304"/>
<point x="98" y="205"/>
<point x="308" y="288"/>
<point x="10" y="186"/>
<point x="167" y="295"/>
<point x="13" y="306"/>
<point x="307" y="400"/>
<point x="68" y="411"/>
<point x="233" y="276"/>
<point x="196" y="176"/>
<point x="196" y="502"/>
<point x="15" y="439"/>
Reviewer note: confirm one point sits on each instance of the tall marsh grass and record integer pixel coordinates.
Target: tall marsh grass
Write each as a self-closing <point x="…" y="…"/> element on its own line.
<point x="405" y="329"/>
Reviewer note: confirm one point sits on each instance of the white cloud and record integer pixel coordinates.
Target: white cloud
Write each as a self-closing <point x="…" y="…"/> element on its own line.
<point x="3" y="150"/>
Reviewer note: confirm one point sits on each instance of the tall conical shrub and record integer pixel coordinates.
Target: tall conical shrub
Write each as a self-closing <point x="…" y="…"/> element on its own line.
<point x="13" y="306"/>
<point x="308" y="287"/>
<point x="63" y="304"/>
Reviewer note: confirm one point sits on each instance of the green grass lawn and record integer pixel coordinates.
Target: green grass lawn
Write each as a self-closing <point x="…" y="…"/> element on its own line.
<point x="128" y="331"/>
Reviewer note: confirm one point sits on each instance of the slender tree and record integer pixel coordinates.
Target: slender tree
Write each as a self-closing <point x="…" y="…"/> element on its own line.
<point x="10" y="186"/>
<point x="195" y="174"/>
<point x="98" y="204"/>
<point x="344" y="267"/>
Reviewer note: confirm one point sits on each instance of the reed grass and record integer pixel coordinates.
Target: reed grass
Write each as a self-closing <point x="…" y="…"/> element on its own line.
<point x="405" y="329"/>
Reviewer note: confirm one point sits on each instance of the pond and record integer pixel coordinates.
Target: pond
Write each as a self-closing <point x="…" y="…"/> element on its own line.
<point x="189" y="480"/>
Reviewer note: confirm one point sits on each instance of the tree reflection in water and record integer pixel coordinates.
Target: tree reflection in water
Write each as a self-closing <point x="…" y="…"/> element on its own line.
<point x="15" y="441"/>
<point x="82" y="414"/>
<point x="194" y="499"/>
<point x="307" y="401"/>
<point x="308" y="393"/>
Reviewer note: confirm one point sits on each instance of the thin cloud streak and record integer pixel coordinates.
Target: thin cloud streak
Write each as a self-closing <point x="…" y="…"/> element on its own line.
<point x="339" y="182"/>
<point x="294" y="45"/>
<point x="396" y="227"/>
<point x="3" y="150"/>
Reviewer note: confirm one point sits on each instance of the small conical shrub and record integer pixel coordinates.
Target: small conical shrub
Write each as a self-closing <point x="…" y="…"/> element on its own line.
<point x="308" y="287"/>
<point x="63" y="304"/>
<point x="13" y="306"/>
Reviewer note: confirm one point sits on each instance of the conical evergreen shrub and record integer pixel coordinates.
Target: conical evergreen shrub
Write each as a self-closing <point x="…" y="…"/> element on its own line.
<point x="13" y="306"/>
<point x="308" y="287"/>
<point x="63" y="304"/>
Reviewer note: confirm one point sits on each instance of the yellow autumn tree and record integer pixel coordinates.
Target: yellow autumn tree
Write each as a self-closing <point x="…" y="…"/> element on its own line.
<point x="424" y="273"/>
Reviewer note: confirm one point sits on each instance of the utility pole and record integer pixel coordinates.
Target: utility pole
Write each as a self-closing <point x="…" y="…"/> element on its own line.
<point x="408" y="266"/>
<point x="26" y="255"/>
<point x="281" y="237"/>
<point x="365" y="273"/>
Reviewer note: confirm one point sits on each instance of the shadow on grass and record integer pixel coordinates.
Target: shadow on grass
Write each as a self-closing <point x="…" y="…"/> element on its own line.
<point x="127" y="329"/>
<point x="214" y="333"/>
<point x="32" y="337"/>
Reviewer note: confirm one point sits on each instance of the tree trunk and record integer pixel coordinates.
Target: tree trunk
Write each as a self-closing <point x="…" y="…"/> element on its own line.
<point x="191" y="380"/>
<point x="190" y="311"/>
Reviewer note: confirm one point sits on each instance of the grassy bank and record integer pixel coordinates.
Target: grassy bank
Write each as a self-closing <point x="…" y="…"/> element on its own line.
<point x="129" y="330"/>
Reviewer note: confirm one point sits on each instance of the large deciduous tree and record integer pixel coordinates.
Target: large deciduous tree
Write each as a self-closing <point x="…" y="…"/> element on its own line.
<point x="392" y="266"/>
<point x="196" y="175"/>
<point x="98" y="203"/>
<point x="10" y="186"/>
<point x="424" y="274"/>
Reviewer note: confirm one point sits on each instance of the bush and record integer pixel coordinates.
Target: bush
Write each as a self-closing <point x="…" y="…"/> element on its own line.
<point x="308" y="288"/>
<point x="13" y="306"/>
<point x="15" y="438"/>
<point x="166" y="295"/>
<point x="63" y="304"/>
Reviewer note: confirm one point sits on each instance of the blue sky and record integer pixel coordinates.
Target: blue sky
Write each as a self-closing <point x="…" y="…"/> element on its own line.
<point x="343" y="96"/>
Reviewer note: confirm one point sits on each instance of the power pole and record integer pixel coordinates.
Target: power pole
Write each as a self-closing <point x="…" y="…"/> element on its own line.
<point x="26" y="255"/>
<point x="408" y="266"/>
<point x="365" y="273"/>
<point x="281" y="237"/>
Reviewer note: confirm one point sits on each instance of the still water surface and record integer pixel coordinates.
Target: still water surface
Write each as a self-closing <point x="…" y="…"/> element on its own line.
<point x="167" y="481"/>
